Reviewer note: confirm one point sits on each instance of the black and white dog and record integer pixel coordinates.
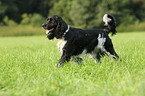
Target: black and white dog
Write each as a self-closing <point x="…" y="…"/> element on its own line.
<point x="74" y="42"/>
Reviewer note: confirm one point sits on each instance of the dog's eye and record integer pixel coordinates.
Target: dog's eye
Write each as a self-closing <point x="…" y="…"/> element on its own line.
<point x="49" y="20"/>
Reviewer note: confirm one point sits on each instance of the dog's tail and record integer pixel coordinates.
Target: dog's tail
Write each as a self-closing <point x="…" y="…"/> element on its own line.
<point x="110" y="22"/>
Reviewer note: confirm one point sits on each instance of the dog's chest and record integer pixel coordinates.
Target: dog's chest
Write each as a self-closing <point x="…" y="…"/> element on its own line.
<point x="61" y="43"/>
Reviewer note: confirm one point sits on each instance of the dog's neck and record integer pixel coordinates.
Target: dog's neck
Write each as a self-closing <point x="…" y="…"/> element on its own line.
<point x="66" y="31"/>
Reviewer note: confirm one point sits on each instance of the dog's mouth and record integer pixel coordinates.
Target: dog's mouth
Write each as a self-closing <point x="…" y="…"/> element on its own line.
<point x="50" y="34"/>
<point x="48" y="31"/>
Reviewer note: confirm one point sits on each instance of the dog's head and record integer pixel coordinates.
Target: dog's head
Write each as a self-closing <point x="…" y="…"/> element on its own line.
<point x="55" y="27"/>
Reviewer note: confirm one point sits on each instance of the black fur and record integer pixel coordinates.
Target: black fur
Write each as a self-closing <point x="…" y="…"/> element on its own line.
<point x="80" y="41"/>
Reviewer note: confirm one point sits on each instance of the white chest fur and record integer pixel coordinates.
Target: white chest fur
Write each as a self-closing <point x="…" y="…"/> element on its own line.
<point x="61" y="43"/>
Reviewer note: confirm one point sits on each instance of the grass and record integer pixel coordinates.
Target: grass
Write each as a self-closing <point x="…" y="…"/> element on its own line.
<point x="27" y="68"/>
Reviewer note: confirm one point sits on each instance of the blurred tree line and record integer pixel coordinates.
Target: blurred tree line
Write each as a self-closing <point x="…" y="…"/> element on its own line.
<point x="79" y="13"/>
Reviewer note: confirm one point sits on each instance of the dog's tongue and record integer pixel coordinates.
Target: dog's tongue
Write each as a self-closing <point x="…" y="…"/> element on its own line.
<point x="47" y="31"/>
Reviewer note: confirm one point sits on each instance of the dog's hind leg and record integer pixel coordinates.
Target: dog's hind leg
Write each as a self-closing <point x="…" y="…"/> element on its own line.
<point x="77" y="59"/>
<point x="111" y="52"/>
<point x="114" y="53"/>
<point x="97" y="57"/>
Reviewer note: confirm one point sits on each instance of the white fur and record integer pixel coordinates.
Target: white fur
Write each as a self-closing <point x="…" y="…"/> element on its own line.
<point x="101" y="42"/>
<point x="106" y="19"/>
<point x="100" y="46"/>
<point x="61" y="43"/>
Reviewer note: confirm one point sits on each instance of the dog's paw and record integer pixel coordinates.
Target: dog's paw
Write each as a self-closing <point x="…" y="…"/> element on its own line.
<point x="59" y="65"/>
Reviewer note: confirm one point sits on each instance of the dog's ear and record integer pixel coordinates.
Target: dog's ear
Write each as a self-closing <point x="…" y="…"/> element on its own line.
<point x="60" y="28"/>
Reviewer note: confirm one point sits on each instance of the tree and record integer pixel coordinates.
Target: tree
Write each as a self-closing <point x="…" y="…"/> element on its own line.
<point x="83" y="13"/>
<point x="62" y="8"/>
<point x="138" y="9"/>
<point x="7" y="7"/>
<point x="15" y="8"/>
<point x="78" y="13"/>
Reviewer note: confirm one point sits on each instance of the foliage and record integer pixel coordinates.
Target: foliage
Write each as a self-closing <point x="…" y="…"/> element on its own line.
<point x="8" y="8"/>
<point x="62" y="8"/>
<point x="21" y="30"/>
<point x="26" y="18"/>
<point x="28" y="68"/>
<point x="89" y="13"/>
<point x="85" y="17"/>
<point x="3" y="8"/>
<point x="77" y="13"/>
<point x="35" y="20"/>
<point x="15" y="8"/>
<point x="9" y="22"/>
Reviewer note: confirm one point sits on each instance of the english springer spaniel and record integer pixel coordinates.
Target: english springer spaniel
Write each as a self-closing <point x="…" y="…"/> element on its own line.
<point x="74" y="42"/>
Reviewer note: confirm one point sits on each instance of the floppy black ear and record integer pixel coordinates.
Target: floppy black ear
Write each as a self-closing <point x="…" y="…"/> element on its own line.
<point x="60" y="28"/>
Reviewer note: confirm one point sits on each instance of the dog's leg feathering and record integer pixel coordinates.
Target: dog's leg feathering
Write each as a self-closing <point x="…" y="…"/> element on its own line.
<point x="78" y="60"/>
<point x="67" y="53"/>
<point x="63" y="59"/>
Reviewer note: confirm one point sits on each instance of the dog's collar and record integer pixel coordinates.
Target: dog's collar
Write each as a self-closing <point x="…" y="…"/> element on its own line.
<point x="66" y="31"/>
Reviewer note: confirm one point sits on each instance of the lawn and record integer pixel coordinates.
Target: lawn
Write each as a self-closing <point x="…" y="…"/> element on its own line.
<point x="27" y="68"/>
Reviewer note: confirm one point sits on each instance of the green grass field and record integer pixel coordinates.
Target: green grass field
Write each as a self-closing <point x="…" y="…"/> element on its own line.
<point x="27" y="68"/>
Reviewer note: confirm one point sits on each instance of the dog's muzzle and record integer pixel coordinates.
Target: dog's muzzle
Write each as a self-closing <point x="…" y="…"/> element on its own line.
<point x="49" y="32"/>
<point x="50" y="36"/>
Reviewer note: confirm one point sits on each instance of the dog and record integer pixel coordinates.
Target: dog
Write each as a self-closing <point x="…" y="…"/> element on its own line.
<point x="74" y="42"/>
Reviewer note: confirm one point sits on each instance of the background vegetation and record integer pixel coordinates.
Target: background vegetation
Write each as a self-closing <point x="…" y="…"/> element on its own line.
<point x="78" y="13"/>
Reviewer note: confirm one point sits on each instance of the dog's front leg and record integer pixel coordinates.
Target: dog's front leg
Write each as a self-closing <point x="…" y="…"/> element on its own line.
<point x="64" y="58"/>
<point x="68" y="50"/>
